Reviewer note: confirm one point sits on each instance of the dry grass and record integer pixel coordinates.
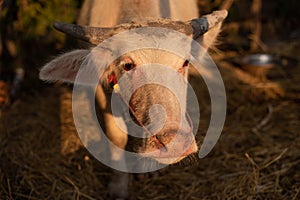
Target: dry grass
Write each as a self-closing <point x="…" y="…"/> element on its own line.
<point x="257" y="156"/>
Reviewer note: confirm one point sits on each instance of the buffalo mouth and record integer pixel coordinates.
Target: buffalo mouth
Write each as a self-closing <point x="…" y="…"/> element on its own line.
<point x="170" y="146"/>
<point x="172" y="156"/>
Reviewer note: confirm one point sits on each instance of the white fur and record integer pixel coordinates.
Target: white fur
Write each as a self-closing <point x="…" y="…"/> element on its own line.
<point x="107" y="14"/>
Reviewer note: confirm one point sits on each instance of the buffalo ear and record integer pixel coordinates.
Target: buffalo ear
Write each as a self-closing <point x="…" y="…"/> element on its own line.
<point x="65" y="67"/>
<point x="209" y="39"/>
<point x="207" y="28"/>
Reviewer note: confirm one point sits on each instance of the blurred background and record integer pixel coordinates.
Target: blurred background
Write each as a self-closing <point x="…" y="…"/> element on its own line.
<point x="28" y="38"/>
<point x="257" y="156"/>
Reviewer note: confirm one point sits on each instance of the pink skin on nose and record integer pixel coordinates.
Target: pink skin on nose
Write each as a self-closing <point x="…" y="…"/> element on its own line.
<point x="176" y="144"/>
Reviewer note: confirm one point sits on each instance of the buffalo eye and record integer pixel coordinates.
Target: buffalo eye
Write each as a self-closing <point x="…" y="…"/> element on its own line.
<point x="128" y="66"/>
<point x="186" y="63"/>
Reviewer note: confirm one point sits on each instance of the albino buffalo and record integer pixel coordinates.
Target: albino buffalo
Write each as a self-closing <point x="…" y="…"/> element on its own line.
<point x="107" y="18"/>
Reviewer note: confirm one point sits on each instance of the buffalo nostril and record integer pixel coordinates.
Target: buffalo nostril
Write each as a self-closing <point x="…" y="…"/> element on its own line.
<point x="159" y="137"/>
<point x="159" y="144"/>
<point x="164" y="149"/>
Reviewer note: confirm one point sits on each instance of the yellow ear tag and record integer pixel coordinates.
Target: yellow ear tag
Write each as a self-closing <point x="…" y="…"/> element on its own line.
<point x="116" y="87"/>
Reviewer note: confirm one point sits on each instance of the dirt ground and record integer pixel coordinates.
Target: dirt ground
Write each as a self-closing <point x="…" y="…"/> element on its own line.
<point x="256" y="157"/>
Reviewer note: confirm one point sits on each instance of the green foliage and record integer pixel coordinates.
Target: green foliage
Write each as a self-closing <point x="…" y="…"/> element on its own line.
<point x="35" y="17"/>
